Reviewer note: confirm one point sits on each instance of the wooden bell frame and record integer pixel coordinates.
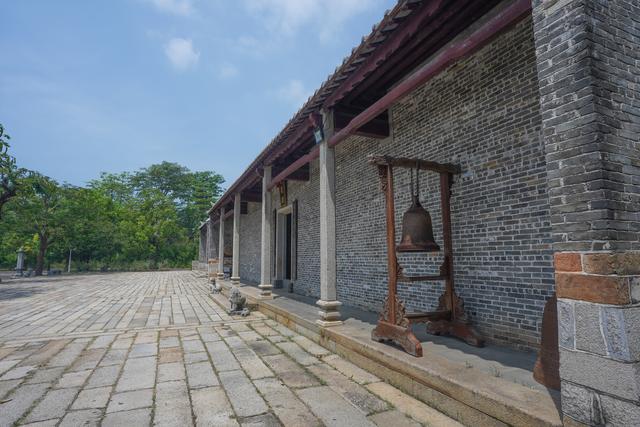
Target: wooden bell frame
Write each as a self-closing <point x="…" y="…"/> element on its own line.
<point x="450" y="318"/>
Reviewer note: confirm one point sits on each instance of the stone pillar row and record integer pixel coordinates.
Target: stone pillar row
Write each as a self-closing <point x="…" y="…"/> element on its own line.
<point x="328" y="303"/>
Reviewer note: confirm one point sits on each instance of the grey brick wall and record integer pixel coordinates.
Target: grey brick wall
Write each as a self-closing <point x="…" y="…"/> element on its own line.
<point x="250" y="239"/>
<point x="213" y="236"/>
<point x="228" y="236"/>
<point x="483" y="114"/>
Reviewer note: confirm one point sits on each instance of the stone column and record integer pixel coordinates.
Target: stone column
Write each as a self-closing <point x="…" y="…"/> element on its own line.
<point x="265" y="251"/>
<point x="328" y="302"/>
<point x="212" y="262"/>
<point x="235" y="269"/>
<point x="202" y="249"/>
<point x="221" y="245"/>
<point x="587" y="57"/>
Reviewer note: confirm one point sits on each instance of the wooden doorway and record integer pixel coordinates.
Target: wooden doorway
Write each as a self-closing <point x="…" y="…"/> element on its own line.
<point x="285" y="245"/>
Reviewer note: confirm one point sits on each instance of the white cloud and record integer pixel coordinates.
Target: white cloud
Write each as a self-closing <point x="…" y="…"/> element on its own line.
<point x="227" y="71"/>
<point x="286" y="17"/>
<point x="175" y="7"/>
<point x="181" y="53"/>
<point x="294" y="92"/>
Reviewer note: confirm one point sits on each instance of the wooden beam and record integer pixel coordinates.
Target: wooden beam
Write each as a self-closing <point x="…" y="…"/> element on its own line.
<point x="294" y="167"/>
<point x="303" y="133"/>
<point x="404" y="162"/>
<point x="302" y="174"/>
<point x="251" y="196"/>
<point x="226" y="216"/>
<point x="376" y="128"/>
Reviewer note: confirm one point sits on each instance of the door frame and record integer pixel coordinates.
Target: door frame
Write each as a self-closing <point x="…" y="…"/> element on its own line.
<point x="279" y="280"/>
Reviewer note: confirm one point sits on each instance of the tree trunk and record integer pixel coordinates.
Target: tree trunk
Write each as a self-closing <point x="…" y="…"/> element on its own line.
<point x="42" y="250"/>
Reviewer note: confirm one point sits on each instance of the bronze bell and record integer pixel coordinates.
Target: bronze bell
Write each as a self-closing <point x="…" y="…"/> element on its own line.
<point x="417" y="230"/>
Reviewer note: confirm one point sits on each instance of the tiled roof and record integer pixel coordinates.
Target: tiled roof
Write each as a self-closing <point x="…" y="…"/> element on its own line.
<point x="379" y="33"/>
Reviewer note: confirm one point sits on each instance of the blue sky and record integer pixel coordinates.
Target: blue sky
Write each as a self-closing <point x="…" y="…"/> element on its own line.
<point x="91" y="86"/>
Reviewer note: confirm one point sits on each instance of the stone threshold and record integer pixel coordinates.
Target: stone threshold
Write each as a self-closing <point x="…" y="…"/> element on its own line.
<point x="464" y="393"/>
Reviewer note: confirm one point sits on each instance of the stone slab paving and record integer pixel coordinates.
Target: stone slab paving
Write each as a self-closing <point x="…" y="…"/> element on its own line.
<point x="96" y="352"/>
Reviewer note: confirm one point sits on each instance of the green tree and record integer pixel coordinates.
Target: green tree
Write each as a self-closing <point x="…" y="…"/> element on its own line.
<point x="10" y="174"/>
<point x="89" y="226"/>
<point x="142" y="219"/>
<point x="38" y="214"/>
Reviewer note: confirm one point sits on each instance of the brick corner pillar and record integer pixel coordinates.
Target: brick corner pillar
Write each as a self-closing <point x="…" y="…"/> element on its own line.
<point x="328" y="302"/>
<point x="265" y="250"/>
<point x="220" y="274"/>
<point x="587" y="54"/>
<point x="235" y="258"/>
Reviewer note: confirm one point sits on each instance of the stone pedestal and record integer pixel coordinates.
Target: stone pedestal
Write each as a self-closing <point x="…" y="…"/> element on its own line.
<point x="329" y="313"/>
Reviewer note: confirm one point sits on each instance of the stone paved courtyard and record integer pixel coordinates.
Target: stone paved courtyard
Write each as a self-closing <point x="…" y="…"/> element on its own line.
<point x="132" y="349"/>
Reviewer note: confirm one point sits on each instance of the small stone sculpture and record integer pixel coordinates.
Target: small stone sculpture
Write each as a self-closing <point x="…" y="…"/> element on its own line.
<point x="237" y="303"/>
<point x="215" y="287"/>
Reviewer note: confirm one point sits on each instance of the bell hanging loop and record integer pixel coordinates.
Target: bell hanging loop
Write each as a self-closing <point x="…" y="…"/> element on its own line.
<point x="417" y="228"/>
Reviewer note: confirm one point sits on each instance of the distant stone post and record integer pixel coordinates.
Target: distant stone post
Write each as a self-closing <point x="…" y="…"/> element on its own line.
<point x="20" y="262"/>
<point x="221" y="245"/>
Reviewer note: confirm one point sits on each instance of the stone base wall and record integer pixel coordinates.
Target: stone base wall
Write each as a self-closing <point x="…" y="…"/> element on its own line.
<point x="599" y="320"/>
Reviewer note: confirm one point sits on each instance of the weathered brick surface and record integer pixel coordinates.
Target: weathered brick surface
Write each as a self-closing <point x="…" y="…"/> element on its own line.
<point x="626" y="263"/>
<point x="593" y="288"/>
<point x="567" y="261"/>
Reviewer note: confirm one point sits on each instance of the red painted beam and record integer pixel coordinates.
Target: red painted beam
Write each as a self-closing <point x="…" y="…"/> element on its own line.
<point x="478" y="39"/>
<point x="293" y="167"/>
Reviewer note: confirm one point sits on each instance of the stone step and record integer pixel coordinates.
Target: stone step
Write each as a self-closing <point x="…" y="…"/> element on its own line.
<point x="466" y="395"/>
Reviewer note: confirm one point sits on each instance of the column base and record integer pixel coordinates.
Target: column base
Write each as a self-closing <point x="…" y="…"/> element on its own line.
<point x="235" y="280"/>
<point x="265" y="291"/>
<point x="220" y="276"/>
<point x="329" y="313"/>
